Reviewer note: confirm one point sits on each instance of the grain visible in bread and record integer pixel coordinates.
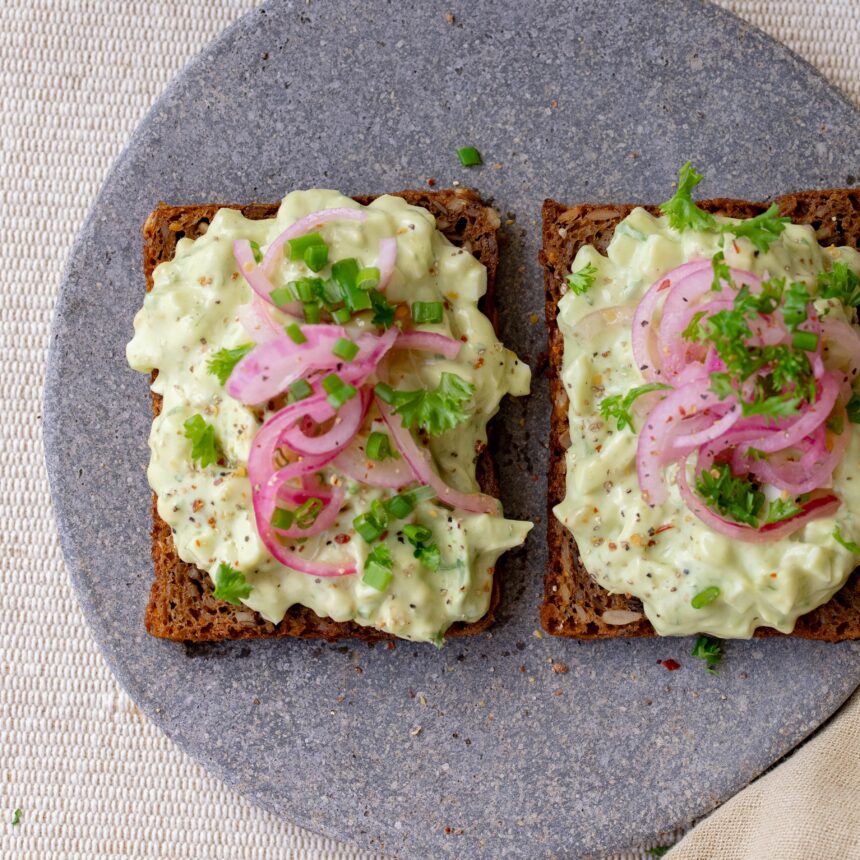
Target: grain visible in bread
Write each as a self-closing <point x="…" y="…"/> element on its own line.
<point x="181" y="606"/>
<point x="574" y="604"/>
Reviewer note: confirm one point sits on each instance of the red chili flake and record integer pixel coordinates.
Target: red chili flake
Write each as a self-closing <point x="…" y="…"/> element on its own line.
<point x="431" y="181"/>
<point x="664" y="528"/>
<point x="671" y="665"/>
<point x="342" y="538"/>
<point x="612" y="545"/>
<point x="665" y="285"/>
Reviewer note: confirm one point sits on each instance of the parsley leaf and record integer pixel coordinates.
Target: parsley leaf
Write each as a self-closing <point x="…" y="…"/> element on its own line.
<point x="782" y="509"/>
<point x="680" y="210"/>
<point x="853" y="408"/>
<point x="733" y="497"/>
<point x="230" y="585"/>
<point x="795" y="305"/>
<point x="848" y="544"/>
<point x="204" y="447"/>
<point x="722" y="272"/>
<point x="710" y="650"/>
<point x="762" y="231"/>
<point x="618" y="405"/>
<point x="222" y="362"/>
<point x="840" y="283"/>
<point x="582" y="280"/>
<point x="426" y="551"/>
<point x="437" y="410"/>
<point x="16" y="817"/>
<point x="694" y="330"/>
<point x="383" y="310"/>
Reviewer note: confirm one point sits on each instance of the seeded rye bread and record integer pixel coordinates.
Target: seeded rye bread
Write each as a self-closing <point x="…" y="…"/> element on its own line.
<point x="181" y="606"/>
<point x="574" y="604"/>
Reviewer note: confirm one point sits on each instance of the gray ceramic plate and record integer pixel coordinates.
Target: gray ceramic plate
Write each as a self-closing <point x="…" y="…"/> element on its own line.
<point x="603" y="101"/>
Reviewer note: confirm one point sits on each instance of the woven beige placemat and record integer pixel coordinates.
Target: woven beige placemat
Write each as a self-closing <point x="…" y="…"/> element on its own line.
<point x="91" y="777"/>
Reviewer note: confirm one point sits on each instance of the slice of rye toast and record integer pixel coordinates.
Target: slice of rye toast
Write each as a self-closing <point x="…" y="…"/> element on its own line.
<point x="181" y="606"/>
<point x="574" y="604"/>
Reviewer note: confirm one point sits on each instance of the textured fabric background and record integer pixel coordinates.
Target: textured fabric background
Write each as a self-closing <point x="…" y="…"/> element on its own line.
<point x="93" y="779"/>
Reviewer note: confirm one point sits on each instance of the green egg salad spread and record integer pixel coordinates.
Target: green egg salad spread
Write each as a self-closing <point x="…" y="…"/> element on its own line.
<point x="417" y="564"/>
<point x="765" y="356"/>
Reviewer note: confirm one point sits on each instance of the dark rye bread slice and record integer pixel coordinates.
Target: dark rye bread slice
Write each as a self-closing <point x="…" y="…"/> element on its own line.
<point x="574" y="604"/>
<point x="181" y="606"/>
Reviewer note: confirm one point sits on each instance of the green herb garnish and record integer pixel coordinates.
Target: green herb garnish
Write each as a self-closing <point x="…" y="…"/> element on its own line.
<point x="582" y="280"/>
<point x="378" y="447"/>
<point x="782" y="509"/>
<point x="722" y="272"/>
<point x="282" y="518"/>
<point x="295" y="333"/>
<point x="853" y="408"/>
<point x="230" y="585"/>
<point x="345" y="348"/>
<point x="710" y="650"/>
<point x="426" y="551"/>
<point x="312" y="312"/>
<point x="337" y="391"/>
<point x="315" y="257"/>
<point x="427" y="312"/>
<point x="367" y="278"/>
<point x="341" y="315"/>
<point x="659" y="850"/>
<point x="282" y="296"/>
<point x="706" y="597"/>
<point x="222" y="362"/>
<point x="729" y="495"/>
<point x="680" y="210"/>
<point x="255" y="249"/>
<point x="377" y="569"/>
<point x="840" y="283"/>
<point x="436" y="410"/>
<point x="295" y="248"/>
<point x="383" y="310"/>
<point x="204" y="447"/>
<point x="299" y="390"/>
<point x="469" y="156"/>
<point x="371" y="524"/>
<point x="848" y="544"/>
<point x="618" y="405"/>
<point x="307" y="512"/>
<point x="762" y="231"/>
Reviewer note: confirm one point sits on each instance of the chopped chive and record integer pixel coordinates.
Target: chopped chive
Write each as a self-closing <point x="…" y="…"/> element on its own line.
<point x="344" y="348"/>
<point x="307" y="512"/>
<point x="305" y="288"/>
<point x="312" y="312"/>
<point x="378" y="446"/>
<point x="422" y="494"/>
<point x="368" y="526"/>
<point x="316" y="257"/>
<point x="300" y="390"/>
<point x="805" y="340"/>
<point x="296" y="248"/>
<point x="282" y="518"/>
<point x="356" y="299"/>
<point x="341" y="315"/>
<point x="384" y="392"/>
<point x="427" y="312"/>
<point x="469" y="156"/>
<point x="345" y="272"/>
<point x="282" y="296"/>
<point x="337" y="390"/>
<point x="376" y="576"/>
<point x="258" y="254"/>
<point x="416" y="534"/>
<point x="400" y="506"/>
<point x="367" y="278"/>
<point x="332" y="291"/>
<point x="703" y="598"/>
<point x="295" y="333"/>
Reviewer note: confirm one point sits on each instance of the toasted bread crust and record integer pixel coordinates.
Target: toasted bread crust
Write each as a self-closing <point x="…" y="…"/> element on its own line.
<point x="574" y="603"/>
<point x="181" y="606"/>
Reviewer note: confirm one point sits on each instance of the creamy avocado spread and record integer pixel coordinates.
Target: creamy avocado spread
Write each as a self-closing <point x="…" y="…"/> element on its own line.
<point x="665" y="555"/>
<point x="192" y="312"/>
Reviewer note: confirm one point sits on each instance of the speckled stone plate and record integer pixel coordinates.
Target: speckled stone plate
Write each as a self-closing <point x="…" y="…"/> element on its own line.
<point x="584" y="101"/>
